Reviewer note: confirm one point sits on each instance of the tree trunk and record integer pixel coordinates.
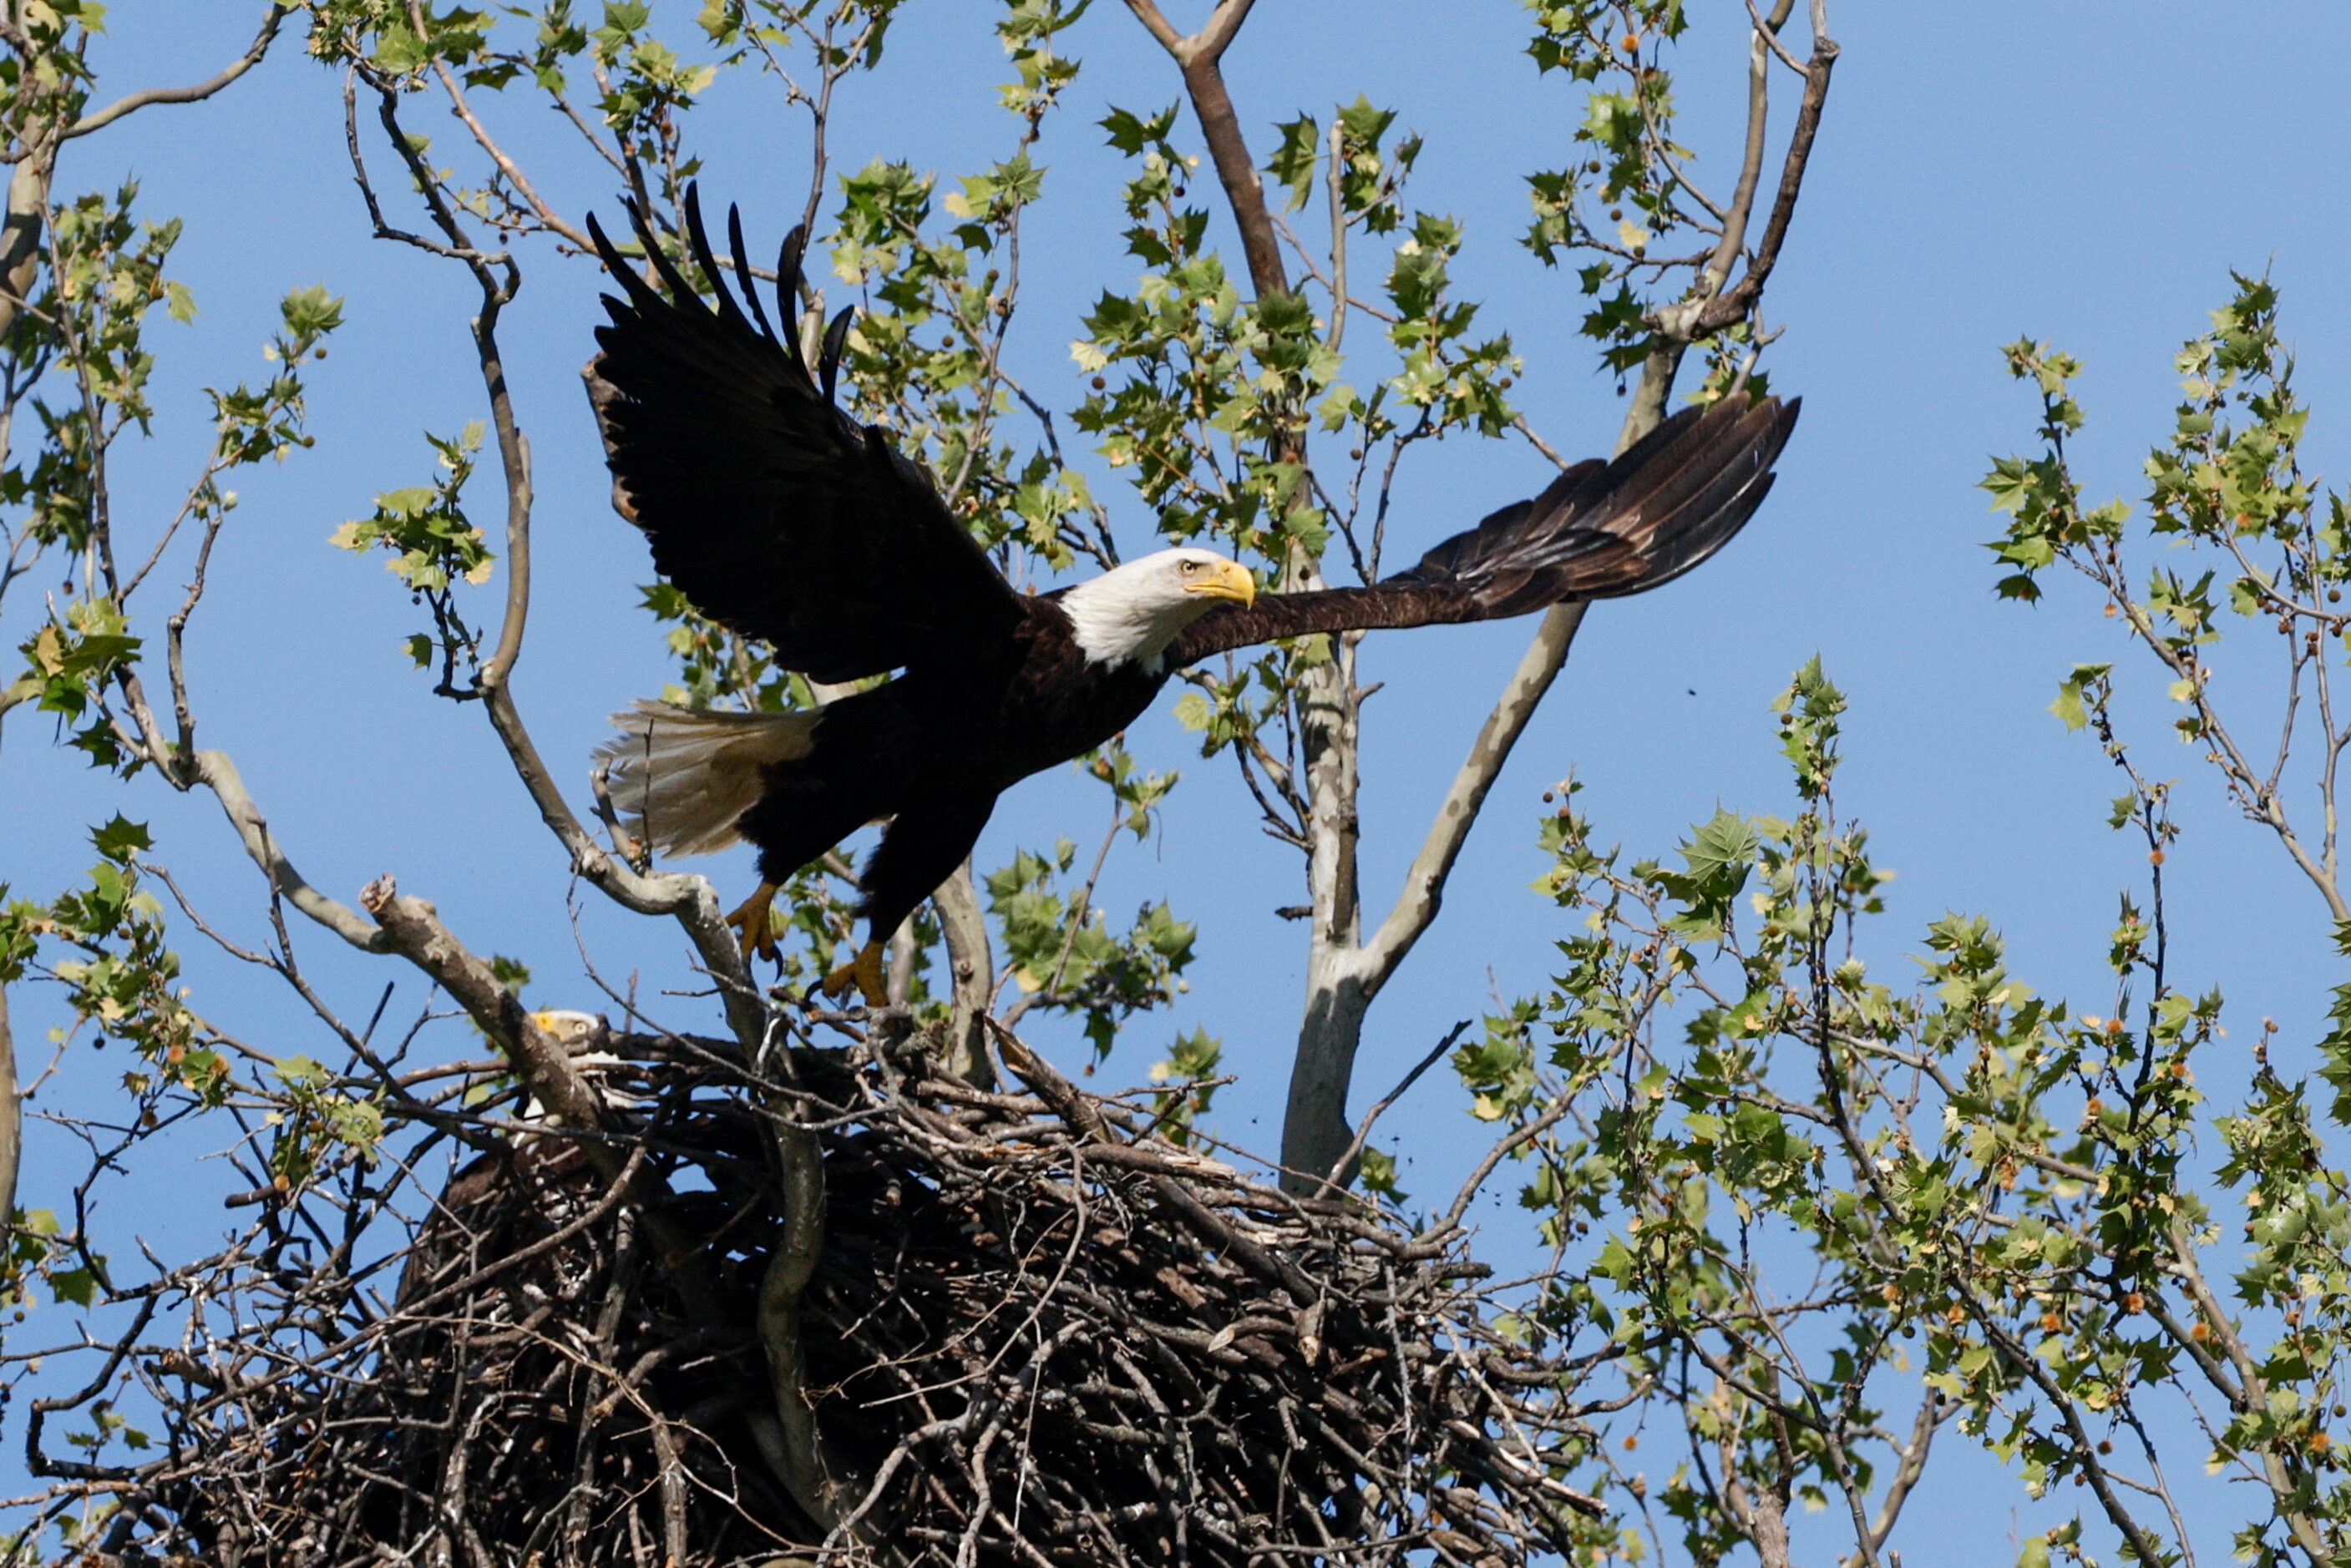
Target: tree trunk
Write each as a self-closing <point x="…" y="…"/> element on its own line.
<point x="1343" y="973"/>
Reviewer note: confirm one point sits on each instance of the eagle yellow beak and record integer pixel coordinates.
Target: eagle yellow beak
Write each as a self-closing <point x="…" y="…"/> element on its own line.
<point x="1231" y="580"/>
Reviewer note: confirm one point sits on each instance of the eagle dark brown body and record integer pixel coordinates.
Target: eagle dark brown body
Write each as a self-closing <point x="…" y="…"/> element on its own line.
<point x="782" y="518"/>
<point x="932" y="749"/>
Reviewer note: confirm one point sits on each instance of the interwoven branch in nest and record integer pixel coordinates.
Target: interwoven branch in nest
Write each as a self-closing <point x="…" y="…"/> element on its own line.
<point x="1037" y="1333"/>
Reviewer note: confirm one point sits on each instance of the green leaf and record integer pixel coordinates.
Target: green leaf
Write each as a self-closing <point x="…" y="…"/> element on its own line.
<point x="77" y="1287"/>
<point x="511" y="973"/>
<point x="1131" y="134"/>
<point x="310" y="313"/>
<point x="1364" y="124"/>
<point x="121" y="838"/>
<point x="1724" y="842"/>
<point x="1379" y="1176"/>
<point x="2069" y="708"/>
<point x="1293" y="159"/>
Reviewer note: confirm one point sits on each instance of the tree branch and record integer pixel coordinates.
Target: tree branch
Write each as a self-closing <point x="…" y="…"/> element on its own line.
<point x="1222" y="24"/>
<point x="136" y="101"/>
<point x="1199" y="55"/>
<point x="1423" y="885"/>
<point x="1768" y="32"/>
<point x="801" y="1161"/>
<point x="20" y="234"/>
<point x="217" y="773"/>
<point x="463" y="111"/>
<point x="689" y="898"/>
<point x="412" y="928"/>
<point x="1161" y="29"/>
<point x="1932" y="1412"/>
<point x="1706" y="311"/>
<point x="1724" y="309"/>
<point x="1338" y="1173"/>
<point x="1751" y="169"/>
<point x="12" y="1118"/>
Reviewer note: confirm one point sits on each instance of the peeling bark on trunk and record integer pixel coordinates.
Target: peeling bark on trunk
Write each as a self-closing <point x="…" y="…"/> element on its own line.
<point x="971" y="972"/>
<point x="1314" y="1132"/>
<point x="20" y="234"/>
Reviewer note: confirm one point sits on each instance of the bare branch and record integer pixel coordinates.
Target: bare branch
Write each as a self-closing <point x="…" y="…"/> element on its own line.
<point x="1519" y="423"/>
<point x="1768" y="32"/>
<point x="1751" y="169"/>
<point x="1734" y="306"/>
<point x="1932" y="1412"/>
<point x="12" y="1118"/>
<point x="1161" y="29"/>
<point x="1222" y="24"/>
<point x="1416" y="904"/>
<point x="1338" y="1172"/>
<point x="1199" y="55"/>
<point x="203" y="89"/>
<point x="216" y="772"/>
<point x="1424" y="887"/>
<point x="20" y="235"/>
<point x="971" y="971"/>
<point x="506" y="166"/>
<point x="688" y="897"/>
<point x="1337" y="185"/>
<point x="412" y="928"/>
<point x="803" y="1470"/>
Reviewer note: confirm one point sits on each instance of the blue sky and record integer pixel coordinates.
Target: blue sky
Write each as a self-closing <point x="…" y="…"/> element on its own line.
<point x="2088" y="173"/>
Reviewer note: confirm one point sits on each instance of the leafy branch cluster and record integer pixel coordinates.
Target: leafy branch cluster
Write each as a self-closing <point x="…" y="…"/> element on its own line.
<point x="2227" y="491"/>
<point x="1788" y="1201"/>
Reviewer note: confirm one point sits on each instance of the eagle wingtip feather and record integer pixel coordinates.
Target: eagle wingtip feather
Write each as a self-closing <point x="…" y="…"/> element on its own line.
<point x="742" y="255"/>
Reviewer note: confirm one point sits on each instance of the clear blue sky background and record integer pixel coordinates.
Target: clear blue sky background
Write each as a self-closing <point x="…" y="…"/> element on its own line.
<point x="2086" y="172"/>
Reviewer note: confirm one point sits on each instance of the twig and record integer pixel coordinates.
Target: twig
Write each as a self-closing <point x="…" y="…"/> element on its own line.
<point x="1338" y="1172"/>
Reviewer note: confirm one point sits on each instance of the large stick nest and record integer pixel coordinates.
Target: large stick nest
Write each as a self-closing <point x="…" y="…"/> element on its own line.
<point x="1038" y="1332"/>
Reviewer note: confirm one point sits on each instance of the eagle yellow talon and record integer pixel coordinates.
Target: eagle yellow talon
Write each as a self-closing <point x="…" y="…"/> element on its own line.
<point x="755" y="921"/>
<point x="864" y="972"/>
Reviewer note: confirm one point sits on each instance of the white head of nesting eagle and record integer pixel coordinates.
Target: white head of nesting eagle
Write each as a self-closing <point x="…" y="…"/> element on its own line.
<point x="784" y="520"/>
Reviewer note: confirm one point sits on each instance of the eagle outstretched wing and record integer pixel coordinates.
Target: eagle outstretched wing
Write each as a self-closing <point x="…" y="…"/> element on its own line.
<point x="1599" y="531"/>
<point x="776" y="513"/>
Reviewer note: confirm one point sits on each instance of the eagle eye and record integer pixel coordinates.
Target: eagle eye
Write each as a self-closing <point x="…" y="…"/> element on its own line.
<point x="1190" y="567"/>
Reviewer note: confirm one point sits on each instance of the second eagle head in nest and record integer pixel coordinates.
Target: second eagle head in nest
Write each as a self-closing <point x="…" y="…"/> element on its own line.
<point x="784" y="520"/>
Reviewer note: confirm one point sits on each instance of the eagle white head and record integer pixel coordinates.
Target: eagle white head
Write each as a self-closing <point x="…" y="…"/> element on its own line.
<point x="1131" y="613"/>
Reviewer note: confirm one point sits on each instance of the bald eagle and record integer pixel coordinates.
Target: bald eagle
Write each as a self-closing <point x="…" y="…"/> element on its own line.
<point x="782" y="518"/>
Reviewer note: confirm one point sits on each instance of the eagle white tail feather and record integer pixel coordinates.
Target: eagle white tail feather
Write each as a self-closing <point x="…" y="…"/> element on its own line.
<point x="684" y="778"/>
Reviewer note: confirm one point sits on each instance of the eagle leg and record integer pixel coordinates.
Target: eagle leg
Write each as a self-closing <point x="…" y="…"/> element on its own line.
<point x="864" y="972"/>
<point x="755" y="919"/>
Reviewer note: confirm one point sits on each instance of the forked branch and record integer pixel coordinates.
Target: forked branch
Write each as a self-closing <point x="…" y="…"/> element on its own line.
<point x="1200" y="56"/>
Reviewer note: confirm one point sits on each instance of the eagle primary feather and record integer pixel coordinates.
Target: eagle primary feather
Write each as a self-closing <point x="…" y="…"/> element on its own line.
<point x="784" y="519"/>
<point x="775" y="513"/>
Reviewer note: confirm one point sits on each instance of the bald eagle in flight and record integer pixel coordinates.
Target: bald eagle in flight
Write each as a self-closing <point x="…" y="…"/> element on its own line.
<point x="784" y="520"/>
